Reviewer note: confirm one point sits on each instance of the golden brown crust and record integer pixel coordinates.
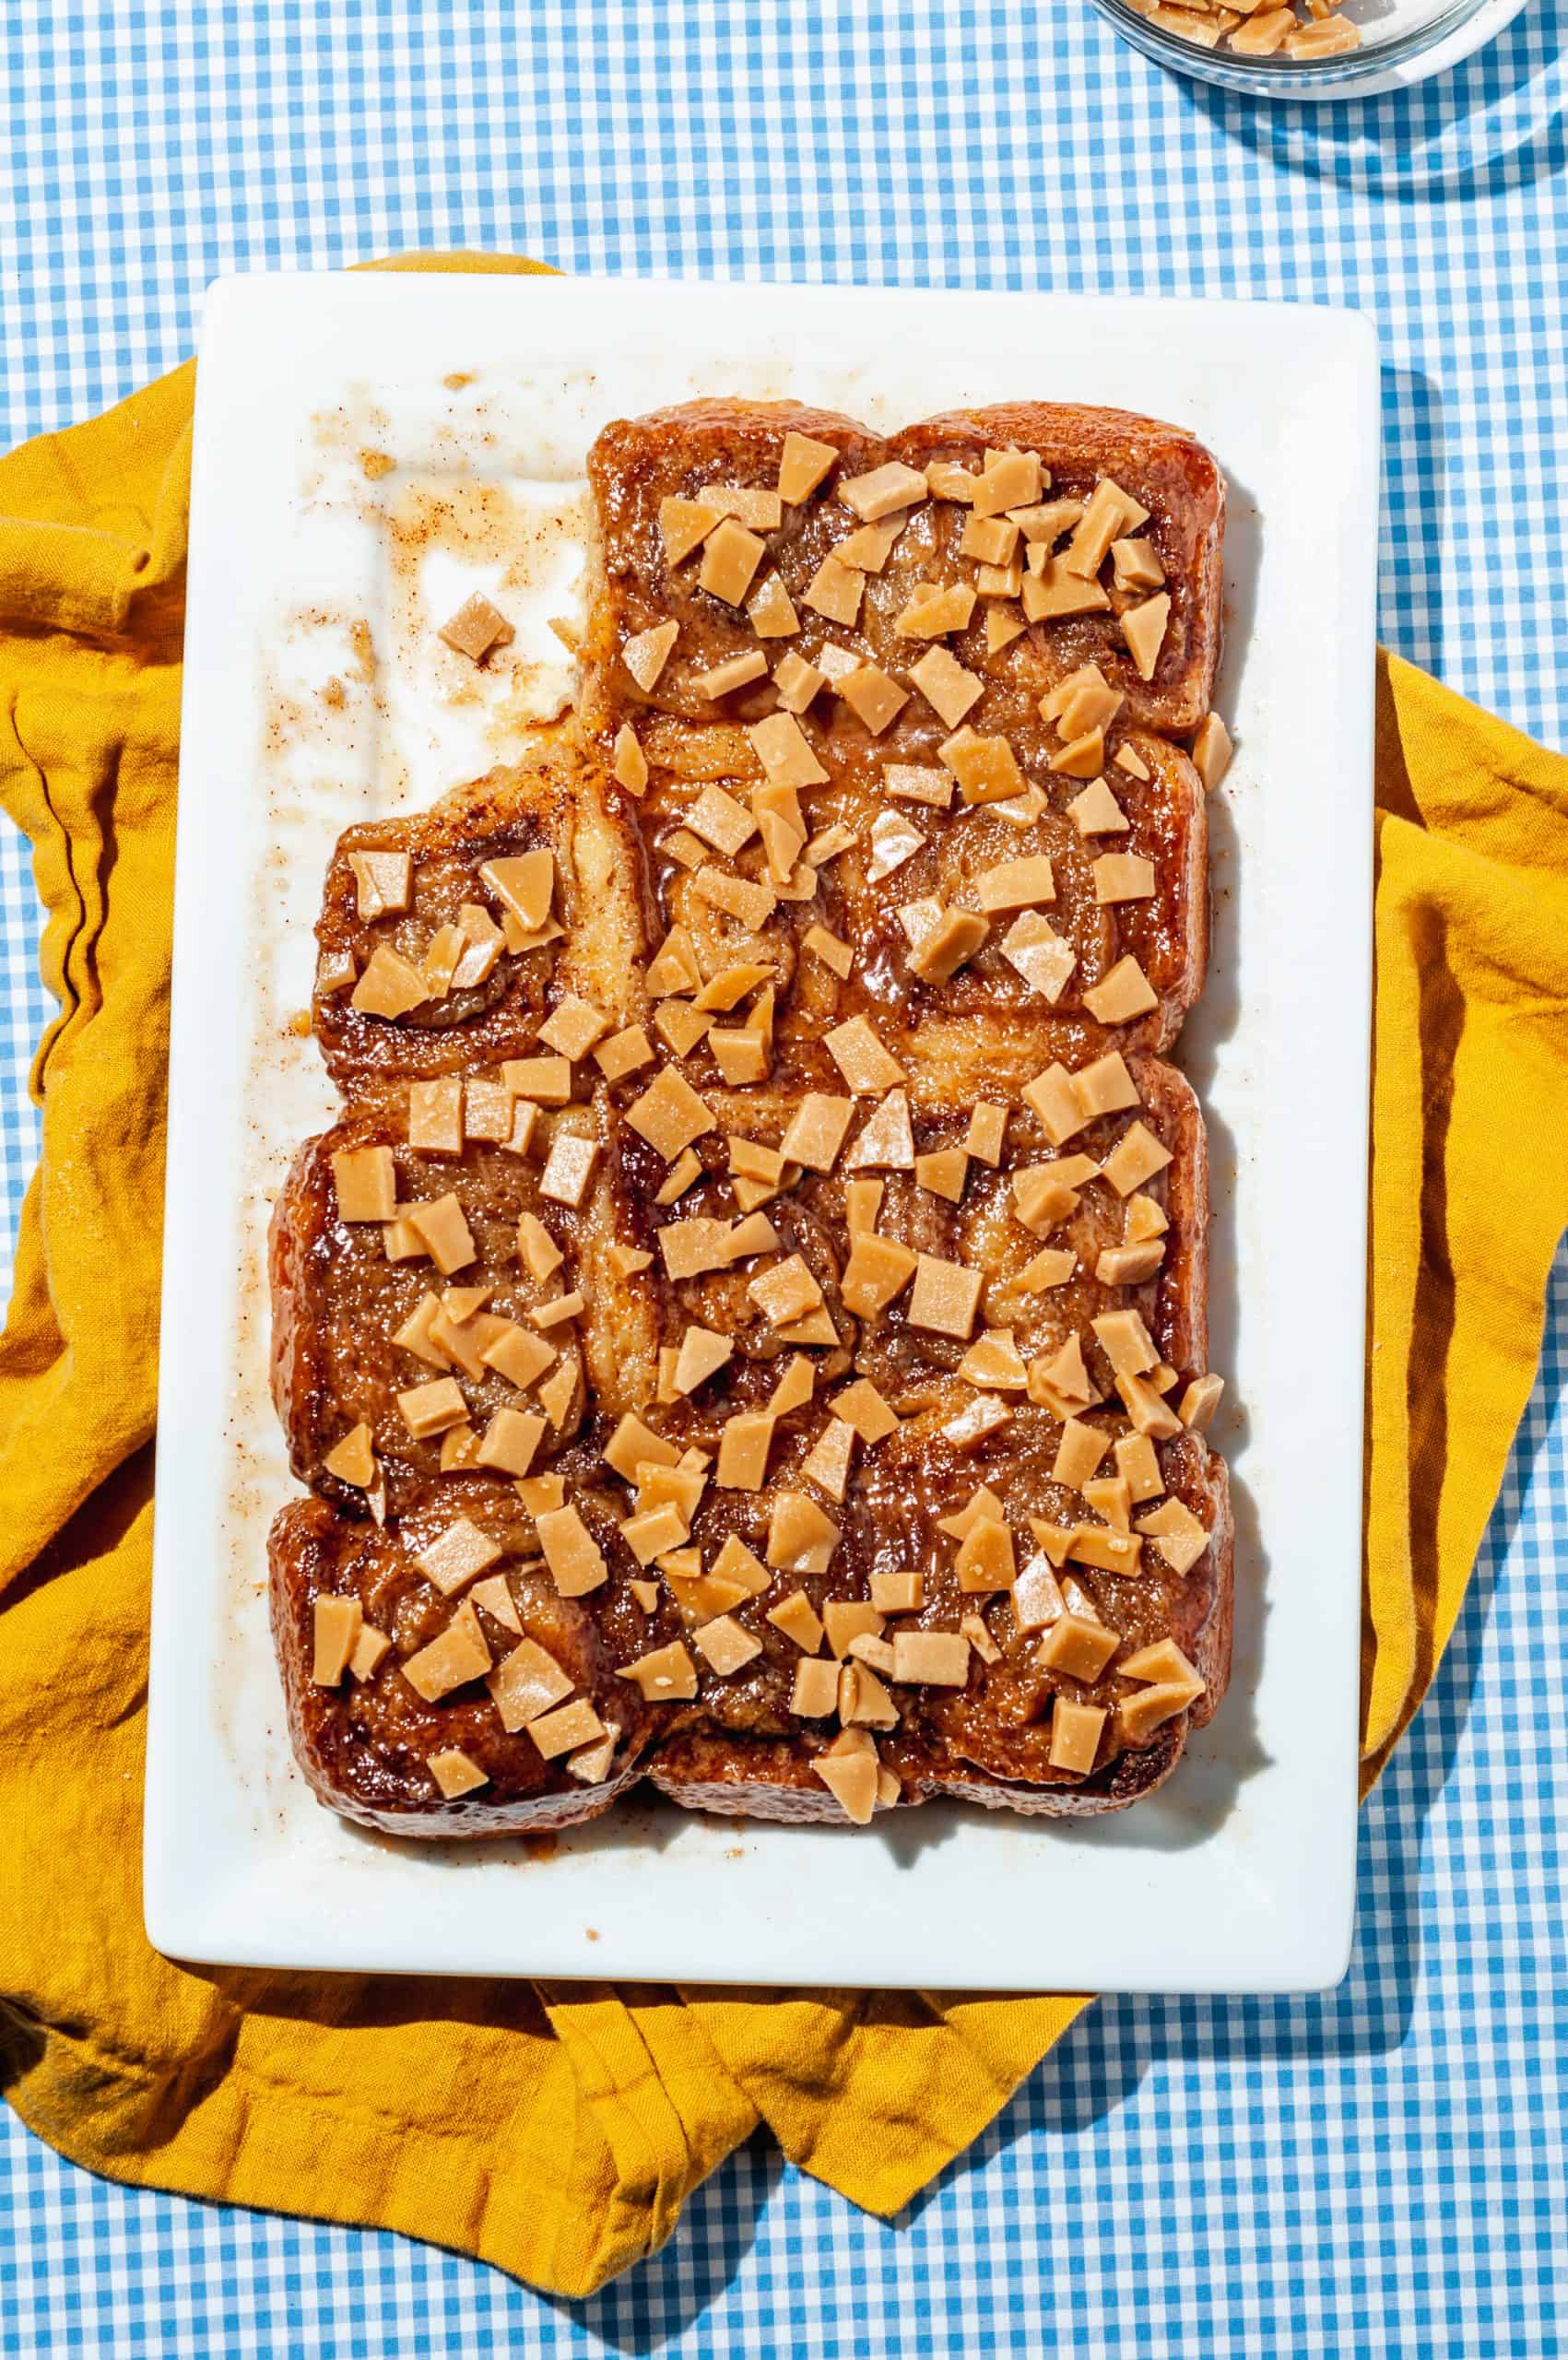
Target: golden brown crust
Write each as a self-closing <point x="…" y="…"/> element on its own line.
<point x="680" y="451"/>
<point x="339" y="1302"/>
<point x="363" y="1748"/>
<point x="1169" y="473"/>
<point x="554" y="801"/>
<point x="810" y="1221"/>
<point x="1168" y="935"/>
<point x="637" y="463"/>
<point x="690" y="744"/>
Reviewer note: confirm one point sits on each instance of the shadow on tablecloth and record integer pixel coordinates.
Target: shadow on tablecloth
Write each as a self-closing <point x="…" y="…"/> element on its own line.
<point x="1495" y="123"/>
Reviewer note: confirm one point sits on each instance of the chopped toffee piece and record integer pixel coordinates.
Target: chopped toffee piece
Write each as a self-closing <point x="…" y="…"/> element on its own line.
<point x="1075" y="1735"/>
<point x="475" y="629"/>
<point x="803" y="463"/>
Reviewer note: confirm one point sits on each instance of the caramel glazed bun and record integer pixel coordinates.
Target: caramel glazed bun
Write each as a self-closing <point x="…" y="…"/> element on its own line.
<point x="747" y="1328"/>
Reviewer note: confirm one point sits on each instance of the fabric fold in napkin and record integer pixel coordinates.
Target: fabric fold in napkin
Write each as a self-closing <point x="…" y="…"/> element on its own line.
<point x="556" y="2129"/>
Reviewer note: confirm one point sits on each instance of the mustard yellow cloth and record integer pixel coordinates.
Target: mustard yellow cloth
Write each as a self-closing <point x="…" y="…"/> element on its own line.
<point x="556" y="2129"/>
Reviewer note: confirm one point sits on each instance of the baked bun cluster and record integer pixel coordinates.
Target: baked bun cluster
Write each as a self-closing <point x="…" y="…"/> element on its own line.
<point x="746" y="1330"/>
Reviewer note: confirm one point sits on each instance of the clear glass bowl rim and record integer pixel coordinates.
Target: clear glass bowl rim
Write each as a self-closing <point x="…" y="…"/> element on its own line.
<point x="1275" y="74"/>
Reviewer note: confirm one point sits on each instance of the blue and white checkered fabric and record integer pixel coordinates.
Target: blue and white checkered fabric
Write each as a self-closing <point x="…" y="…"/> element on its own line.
<point x="1380" y="2171"/>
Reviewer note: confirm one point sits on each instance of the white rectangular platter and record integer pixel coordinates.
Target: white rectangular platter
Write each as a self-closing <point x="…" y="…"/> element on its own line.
<point x="367" y="450"/>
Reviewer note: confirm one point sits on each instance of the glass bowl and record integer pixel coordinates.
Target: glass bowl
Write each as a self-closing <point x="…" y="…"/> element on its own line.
<point x="1404" y="43"/>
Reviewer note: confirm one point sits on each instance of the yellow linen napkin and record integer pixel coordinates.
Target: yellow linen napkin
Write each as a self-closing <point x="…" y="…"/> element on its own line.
<point x="556" y="2129"/>
<point x="1469" y="1175"/>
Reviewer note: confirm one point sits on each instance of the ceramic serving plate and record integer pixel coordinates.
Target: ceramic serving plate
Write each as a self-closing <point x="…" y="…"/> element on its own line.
<point x="367" y="450"/>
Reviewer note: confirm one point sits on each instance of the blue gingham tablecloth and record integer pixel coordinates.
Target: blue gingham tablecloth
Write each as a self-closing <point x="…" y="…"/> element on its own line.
<point x="1380" y="2171"/>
